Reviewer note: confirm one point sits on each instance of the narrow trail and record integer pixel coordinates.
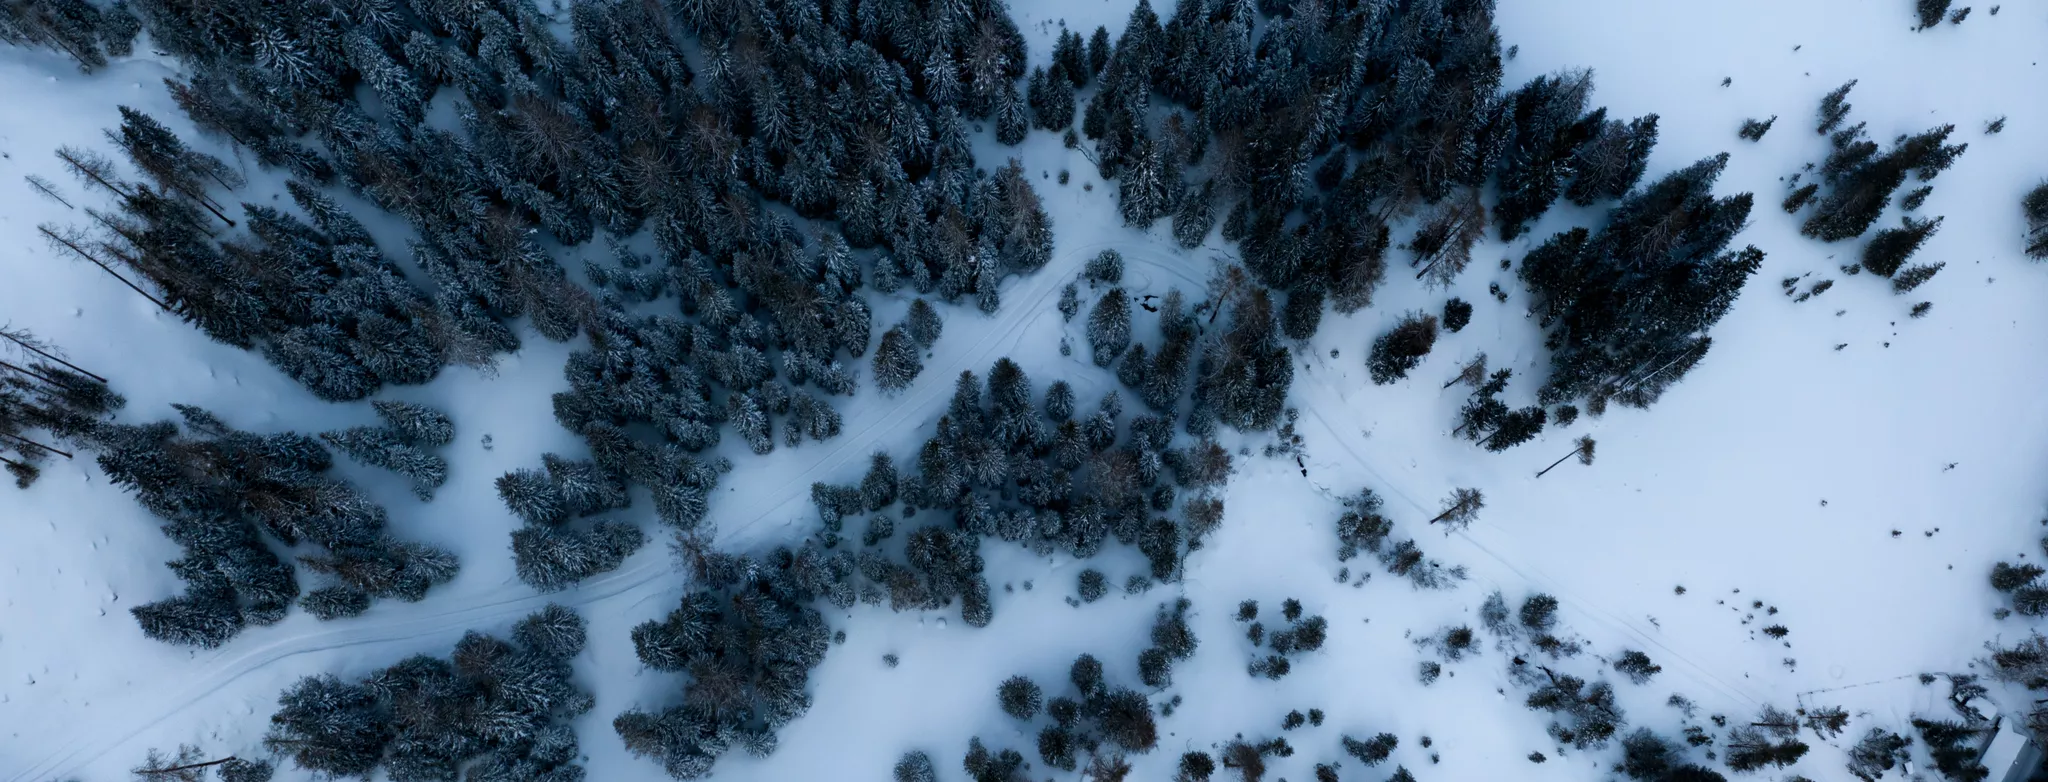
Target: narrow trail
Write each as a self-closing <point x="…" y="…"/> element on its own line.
<point x="755" y="499"/>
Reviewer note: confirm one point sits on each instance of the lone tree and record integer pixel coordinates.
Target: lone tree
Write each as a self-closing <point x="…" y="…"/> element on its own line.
<point x="1400" y="349"/>
<point x="1584" y="451"/>
<point x="1460" y="508"/>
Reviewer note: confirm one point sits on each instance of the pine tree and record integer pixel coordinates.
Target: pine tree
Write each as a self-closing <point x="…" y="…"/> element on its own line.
<point x="896" y="361"/>
<point x="1931" y="12"/>
<point x="1195" y="216"/>
<point x="555" y="632"/>
<point x="416" y="424"/>
<point x="915" y="767"/>
<point x="1443" y="244"/>
<point x="1457" y="313"/>
<point x="1013" y="121"/>
<point x="205" y="619"/>
<point x="1020" y="698"/>
<point x="1834" y="107"/>
<point x="1636" y="666"/>
<point x="335" y="602"/>
<point x="1106" y="267"/>
<point x="1401" y="348"/>
<point x="1890" y="248"/>
<point x="1516" y="427"/>
<point x="1754" y="130"/>
<point x="1109" y="327"/>
<point x="923" y="323"/>
<point x="551" y="559"/>
<point x="2035" y="206"/>
<point x="1913" y="276"/>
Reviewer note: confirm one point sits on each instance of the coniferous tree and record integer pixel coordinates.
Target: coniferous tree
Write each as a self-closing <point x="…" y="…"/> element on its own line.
<point x="1861" y="179"/>
<point x="2035" y="206"/>
<point x="1195" y="216"/>
<point x="1443" y="244"/>
<point x="1020" y="698"/>
<point x="1931" y="12"/>
<point x="1754" y="130"/>
<point x="1587" y="716"/>
<point x="1402" y="347"/>
<point x="1631" y="354"/>
<point x="1877" y="752"/>
<point x="896" y="361"/>
<point x="1834" y="107"/>
<point x="923" y="323"/>
<point x="1892" y="246"/>
<point x="1613" y="161"/>
<point x="1109" y="326"/>
<point x="1457" y="313"/>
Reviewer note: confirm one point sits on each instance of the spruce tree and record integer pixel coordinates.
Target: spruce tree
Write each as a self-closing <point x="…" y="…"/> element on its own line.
<point x="1401" y="348"/>
<point x="923" y="323"/>
<point x="897" y="362"/>
<point x="1109" y="327"/>
<point x="1890" y="248"/>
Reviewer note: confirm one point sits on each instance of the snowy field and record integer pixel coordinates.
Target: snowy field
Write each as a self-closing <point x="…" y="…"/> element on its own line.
<point x="1862" y="492"/>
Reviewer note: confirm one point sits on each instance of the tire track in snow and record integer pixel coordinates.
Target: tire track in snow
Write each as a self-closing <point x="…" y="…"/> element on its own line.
<point x="451" y="617"/>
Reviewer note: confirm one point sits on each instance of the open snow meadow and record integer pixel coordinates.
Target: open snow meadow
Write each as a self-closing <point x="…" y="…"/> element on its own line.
<point x="1409" y="390"/>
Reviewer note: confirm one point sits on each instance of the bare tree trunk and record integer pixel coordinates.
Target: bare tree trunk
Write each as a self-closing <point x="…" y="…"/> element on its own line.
<point x="68" y="244"/>
<point x="26" y="441"/>
<point x="30" y="372"/>
<point x="187" y="767"/>
<point x="38" y="351"/>
<point x="1553" y="465"/>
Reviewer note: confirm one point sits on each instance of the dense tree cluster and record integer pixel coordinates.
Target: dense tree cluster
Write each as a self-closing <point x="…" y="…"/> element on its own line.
<point x="1173" y="640"/>
<point x="400" y="444"/>
<point x="319" y="300"/>
<point x="1487" y="420"/>
<point x="1586" y="715"/>
<point x="552" y="551"/>
<point x="1095" y="720"/>
<point x="857" y="115"/>
<point x="1771" y="739"/>
<point x="492" y="711"/>
<point x="1346" y="116"/>
<point x="221" y="492"/>
<point x="40" y="392"/>
<point x="1302" y="633"/>
<point x="748" y="636"/>
<point x="88" y="32"/>
<point x="1647" y="757"/>
<point x="1627" y="308"/>
<point x="1006" y="465"/>
<point x="1860" y="178"/>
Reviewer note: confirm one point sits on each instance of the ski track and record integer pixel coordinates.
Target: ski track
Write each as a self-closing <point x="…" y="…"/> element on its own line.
<point x="1031" y="301"/>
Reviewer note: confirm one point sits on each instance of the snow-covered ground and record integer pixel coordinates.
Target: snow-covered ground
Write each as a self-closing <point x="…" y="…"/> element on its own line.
<point x="1778" y="471"/>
